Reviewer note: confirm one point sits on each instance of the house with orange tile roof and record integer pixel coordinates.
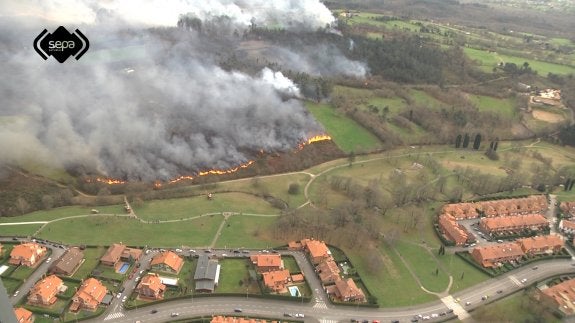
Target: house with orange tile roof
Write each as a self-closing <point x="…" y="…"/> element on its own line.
<point x="568" y="209"/>
<point x="548" y="244"/>
<point x="452" y="230"/>
<point x="328" y="271"/>
<point x="504" y="224"/>
<point x="495" y="255"/>
<point x="461" y="211"/>
<point x="89" y="296"/>
<point x="151" y="287"/>
<point x="277" y="280"/>
<point x="117" y="252"/>
<point x="27" y="254"/>
<point x="45" y="290"/>
<point x="567" y="226"/>
<point x="167" y="261"/>
<point x="264" y="263"/>
<point x="560" y="297"/>
<point x="297" y="278"/>
<point x="23" y="315"/>
<point x="318" y="250"/>
<point x="345" y="290"/>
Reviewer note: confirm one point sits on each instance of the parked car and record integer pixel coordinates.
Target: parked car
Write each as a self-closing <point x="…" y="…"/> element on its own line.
<point x="467" y="303"/>
<point x="124" y="299"/>
<point x="174" y="314"/>
<point x="237" y="310"/>
<point x="16" y="293"/>
<point x="154" y="311"/>
<point x="535" y="268"/>
<point x="299" y="315"/>
<point x="119" y="295"/>
<point x="499" y="291"/>
<point x="523" y="280"/>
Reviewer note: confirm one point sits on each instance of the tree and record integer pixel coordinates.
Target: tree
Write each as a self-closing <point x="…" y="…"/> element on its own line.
<point x="351" y="158"/>
<point x="458" y="141"/>
<point x="293" y="189"/>
<point x="47" y="201"/>
<point x="566" y="185"/>
<point x="477" y="142"/>
<point x="496" y="144"/>
<point x="465" y="141"/>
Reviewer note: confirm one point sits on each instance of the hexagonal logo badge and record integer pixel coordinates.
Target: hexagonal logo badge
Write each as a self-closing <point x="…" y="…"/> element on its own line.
<point x="61" y="44"/>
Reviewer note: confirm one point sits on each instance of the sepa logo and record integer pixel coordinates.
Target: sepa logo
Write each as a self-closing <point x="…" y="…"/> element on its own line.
<point x="61" y="44"/>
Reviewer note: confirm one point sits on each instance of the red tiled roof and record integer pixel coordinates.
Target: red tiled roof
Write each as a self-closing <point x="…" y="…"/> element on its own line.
<point x="540" y="242"/>
<point x="516" y="221"/>
<point x="317" y="249"/>
<point x="169" y="259"/>
<point x="274" y="260"/>
<point x="91" y="293"/>
<point x="46" y="289"/>
<point x="22" y="315"/>
<point x="563" y="295"/>
<point x="276" y="279"/>
<point x="452" y="229"/>
<point x="487" y="255"/>
<point x="113" y="253"/>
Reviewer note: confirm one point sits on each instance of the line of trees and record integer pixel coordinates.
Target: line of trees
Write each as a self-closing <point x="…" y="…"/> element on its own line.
<point x="462" y="141"/>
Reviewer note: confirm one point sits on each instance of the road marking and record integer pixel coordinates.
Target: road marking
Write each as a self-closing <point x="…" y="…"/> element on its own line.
<point x="114" y="316"/>
<point x="320" y="305"/>
<point x="327" y="321"/>
<point x="458" y="310"/>
<point x="515" y="280"/>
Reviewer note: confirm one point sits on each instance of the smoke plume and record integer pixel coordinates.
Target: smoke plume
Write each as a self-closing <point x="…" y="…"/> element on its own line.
<point x="145" y="104"/>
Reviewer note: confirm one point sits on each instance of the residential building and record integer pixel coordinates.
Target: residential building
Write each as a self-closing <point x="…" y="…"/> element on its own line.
<point x="45" y="290"/>
<point x="507" y="224"/>
<point x="297" y="278"/>
<point x="277" y="280"/>
<point x="167" y="261"/>
<point x="68" y="263"/>
<point x="452" y="230"/>
<point x="89" y="296"/>
<point x="547" y="244"/>
<point x="567" y="226"/>
<point x="345" y="290"/>
<point x="328" y="272"/>
<point x="23" y="315"/>
<point x="560" y="296"/>
<point x="318" y="250"/>
<point x="495" y="255"/>
<point x="461" y="211"/>
<point x="151" y="287"/>
<point x="207" y="274"/>
<point x="568" y="209"/>
<point x="117" y="252"/>
<point x="265" y="263"/>
<point x="27" y="254"/>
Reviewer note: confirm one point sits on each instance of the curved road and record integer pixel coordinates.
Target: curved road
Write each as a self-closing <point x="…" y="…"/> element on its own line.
<point x="208" y="306"/>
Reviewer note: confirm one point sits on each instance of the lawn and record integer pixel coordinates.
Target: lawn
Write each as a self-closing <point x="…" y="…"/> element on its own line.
<point x="11" y="285"/>
<point x="110" y="272"/>
<point x="458" y="267"/>
<point x="108" y="230"/>
<point x="291" y="264"/>
<point x="503" y="107"/>
<point x="183" y="208"/>
<point x="91" y="259"/>
<point x="75" y="317"/>
<point x="23" y="230"/>
<point x="55" y="308"/>
<point x="232" y="272"/>
<point x="23" y="272"/>
<point x="346" y="133"/>
<point x="392" y="285"/>
<point x="518" y="307"/>
<point x="424" y="265"/>
<point x="248" y="232"/>
<point x="62" y="212"/>
<point x="276" y="186"/>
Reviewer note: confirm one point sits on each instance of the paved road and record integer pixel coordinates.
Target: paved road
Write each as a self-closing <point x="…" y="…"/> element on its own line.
<point x="508" y="283"/>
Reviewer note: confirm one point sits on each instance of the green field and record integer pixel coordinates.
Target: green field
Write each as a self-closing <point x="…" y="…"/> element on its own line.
<point x="291" y="264"/>
<point x="425" y="266"/>
<point x="108" y="230"/>
<point x="62" y="212"/>
<point x="11" y="285"/>
<point x="503" y="107"/>
<point x="248" y="232"/>
<point x="346" y="133"/>
<point x="91" y="259"/>
<point x="518" y="307"/>
<point x="490" y="60"/>
<point x="23" y="230"/>
<point x="393" y="285"/>
<point x="232" y="272"/>
<point x="184" y="208"/>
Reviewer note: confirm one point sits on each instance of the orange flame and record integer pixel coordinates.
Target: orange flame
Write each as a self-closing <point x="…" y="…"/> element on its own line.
<point x="158" y="184"/>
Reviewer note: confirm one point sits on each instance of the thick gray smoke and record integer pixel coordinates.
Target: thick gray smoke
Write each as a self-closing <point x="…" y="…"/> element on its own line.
<point x="149" y="109"/>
